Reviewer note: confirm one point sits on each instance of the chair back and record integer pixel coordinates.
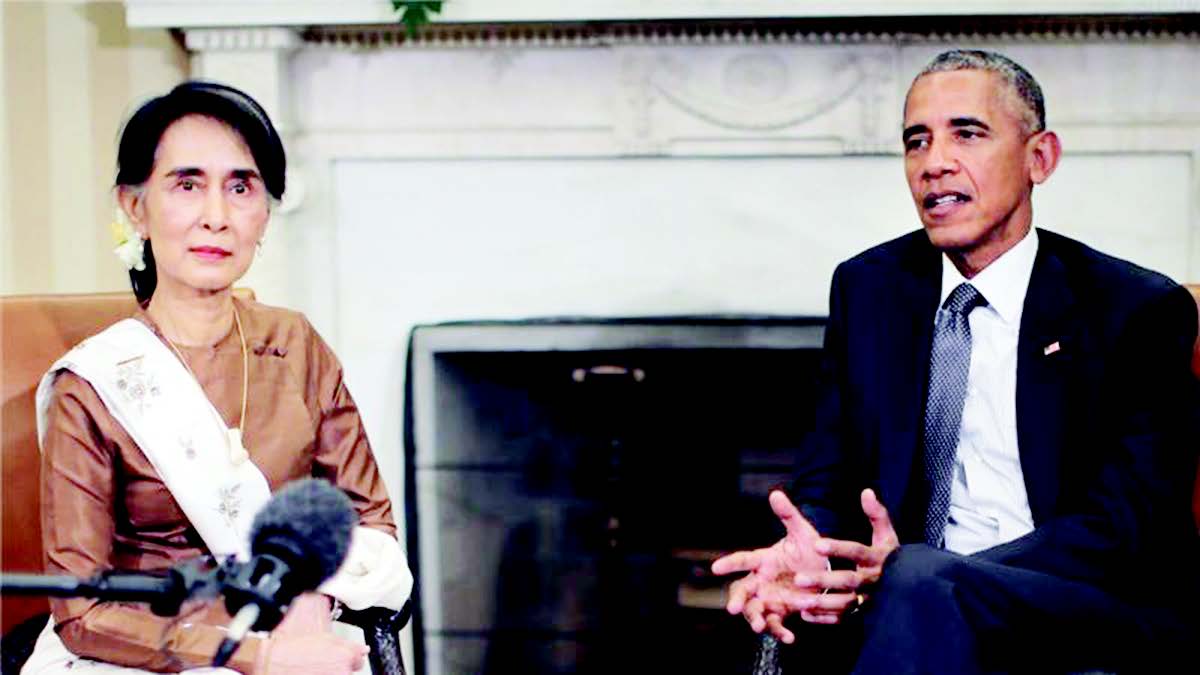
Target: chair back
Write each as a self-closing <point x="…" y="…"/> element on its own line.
<point x="34" y="331"/>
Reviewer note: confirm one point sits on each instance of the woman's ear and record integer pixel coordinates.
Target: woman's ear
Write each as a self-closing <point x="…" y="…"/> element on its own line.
<point x="1044" y="151"/>
<point x="133" y="204"/>
<point x="266" y="227"/>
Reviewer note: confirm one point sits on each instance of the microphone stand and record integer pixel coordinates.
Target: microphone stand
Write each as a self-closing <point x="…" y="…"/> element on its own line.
<point x="256" y="594"/>
<point x="165" y="592"/>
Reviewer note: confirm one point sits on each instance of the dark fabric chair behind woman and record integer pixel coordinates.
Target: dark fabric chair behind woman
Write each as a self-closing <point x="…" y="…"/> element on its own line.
<point x="35" y="331"/>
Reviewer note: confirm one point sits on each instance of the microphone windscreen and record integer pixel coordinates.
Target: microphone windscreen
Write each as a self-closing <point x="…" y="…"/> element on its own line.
<point x="308" y="521"/>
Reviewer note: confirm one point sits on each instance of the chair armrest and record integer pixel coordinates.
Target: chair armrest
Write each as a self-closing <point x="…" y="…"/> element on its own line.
<point x="381" y="630"/>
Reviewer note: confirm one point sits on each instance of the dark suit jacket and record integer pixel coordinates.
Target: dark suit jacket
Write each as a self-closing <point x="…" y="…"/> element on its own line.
<point x="1107" y="425"/>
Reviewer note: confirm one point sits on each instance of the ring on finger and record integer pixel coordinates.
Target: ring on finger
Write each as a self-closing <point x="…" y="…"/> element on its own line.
<point x="859" y="601"/>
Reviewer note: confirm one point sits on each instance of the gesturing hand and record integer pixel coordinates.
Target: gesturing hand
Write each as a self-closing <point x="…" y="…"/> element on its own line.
<point x="849" y="586"/>
<point x="760" y="595"/>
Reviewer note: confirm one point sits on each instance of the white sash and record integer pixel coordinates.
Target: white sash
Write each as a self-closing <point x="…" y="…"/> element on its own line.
<point x="163" y="408"/>
<point x="149" y="391"/>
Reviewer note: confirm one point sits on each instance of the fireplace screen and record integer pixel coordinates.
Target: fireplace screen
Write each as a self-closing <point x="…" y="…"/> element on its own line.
<point x="569" y="483"/>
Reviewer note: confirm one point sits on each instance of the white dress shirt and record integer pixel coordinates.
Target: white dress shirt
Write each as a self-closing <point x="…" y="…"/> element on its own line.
<point x="988" y="501"/>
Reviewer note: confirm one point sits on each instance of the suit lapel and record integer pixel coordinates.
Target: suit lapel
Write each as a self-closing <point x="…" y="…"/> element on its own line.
<point x="905" y="356"/>
<point x="1045" y="347"/>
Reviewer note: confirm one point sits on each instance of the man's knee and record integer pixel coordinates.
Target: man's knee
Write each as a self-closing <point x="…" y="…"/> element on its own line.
<point x="917" y="570"/>
<point x="914" y="618"/>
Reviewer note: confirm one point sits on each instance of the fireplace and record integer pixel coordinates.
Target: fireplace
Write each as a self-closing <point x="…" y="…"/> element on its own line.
<point x="571" y="480"/>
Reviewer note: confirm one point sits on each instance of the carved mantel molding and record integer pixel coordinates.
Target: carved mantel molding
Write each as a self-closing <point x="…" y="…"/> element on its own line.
<point x="214" y="13"/>
<point x="245" y="38"/>
<point x="259" y="24"/>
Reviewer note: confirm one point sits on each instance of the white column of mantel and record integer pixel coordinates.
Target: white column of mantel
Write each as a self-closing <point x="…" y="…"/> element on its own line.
<point x="255" y="60"/>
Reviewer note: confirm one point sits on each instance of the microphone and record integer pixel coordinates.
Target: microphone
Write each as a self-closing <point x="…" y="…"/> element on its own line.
<point x="298" y="540"/>
<point x="165" y="591"/>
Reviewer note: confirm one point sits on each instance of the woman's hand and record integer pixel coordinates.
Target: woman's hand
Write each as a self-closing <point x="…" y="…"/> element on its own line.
<point x="308" y="614"/>
<point x="303" y="643"/>
<point x="301" y="654"/>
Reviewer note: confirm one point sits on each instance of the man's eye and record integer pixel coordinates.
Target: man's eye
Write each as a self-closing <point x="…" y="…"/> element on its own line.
<point x="968" y="133"/>
<point x="187" y="184"/>
<point x="914" y="144"/>
<point x="240" y="188"/>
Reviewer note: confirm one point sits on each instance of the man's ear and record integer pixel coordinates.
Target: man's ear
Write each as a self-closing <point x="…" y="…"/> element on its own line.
<point x="1043" y="151"/>
<point x="131" y="201"/>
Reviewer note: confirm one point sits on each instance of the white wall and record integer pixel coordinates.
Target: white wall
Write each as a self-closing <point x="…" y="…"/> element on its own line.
<point x="71" y="71"/>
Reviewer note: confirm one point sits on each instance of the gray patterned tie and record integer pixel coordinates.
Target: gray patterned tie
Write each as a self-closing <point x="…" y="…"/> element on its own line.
<point x="949" y="362"/>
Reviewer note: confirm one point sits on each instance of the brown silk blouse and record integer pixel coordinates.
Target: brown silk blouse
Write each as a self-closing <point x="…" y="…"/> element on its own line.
<point x="105" y="507"/>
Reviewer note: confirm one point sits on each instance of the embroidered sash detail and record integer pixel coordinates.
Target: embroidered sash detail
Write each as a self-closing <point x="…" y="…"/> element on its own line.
<point x="164" y="409"/>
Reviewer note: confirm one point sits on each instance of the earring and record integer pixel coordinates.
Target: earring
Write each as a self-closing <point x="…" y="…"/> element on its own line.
<point x="258" y="248"/>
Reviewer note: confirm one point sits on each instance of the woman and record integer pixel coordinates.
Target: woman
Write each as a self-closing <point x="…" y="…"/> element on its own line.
<point x="164" y="434"/>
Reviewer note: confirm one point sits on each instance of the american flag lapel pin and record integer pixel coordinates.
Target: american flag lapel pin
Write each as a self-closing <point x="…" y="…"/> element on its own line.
<point x="1051" y="348"/>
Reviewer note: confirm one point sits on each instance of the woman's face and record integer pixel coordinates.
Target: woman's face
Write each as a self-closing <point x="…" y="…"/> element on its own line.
<point x="203" y="208"/>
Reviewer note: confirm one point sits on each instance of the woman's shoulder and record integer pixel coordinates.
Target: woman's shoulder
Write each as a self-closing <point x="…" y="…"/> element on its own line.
<point x="278" y="331"/>
<point x="270" y="324"/>
<point x="114" y="343"/>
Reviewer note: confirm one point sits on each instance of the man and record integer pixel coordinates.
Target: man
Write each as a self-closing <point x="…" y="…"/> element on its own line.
<point x="1020" y="411"/>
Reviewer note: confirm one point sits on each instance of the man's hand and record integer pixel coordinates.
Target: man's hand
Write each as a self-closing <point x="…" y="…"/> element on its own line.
<point x="760" y="595"/>
<point x="848" y="588"/>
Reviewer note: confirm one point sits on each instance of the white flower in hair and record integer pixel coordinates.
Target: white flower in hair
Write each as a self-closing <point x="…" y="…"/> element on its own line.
<point x="130" y="246"/>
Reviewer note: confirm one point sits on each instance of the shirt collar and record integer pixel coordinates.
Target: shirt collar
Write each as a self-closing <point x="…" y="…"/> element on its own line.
<point x="1003" y="283"/>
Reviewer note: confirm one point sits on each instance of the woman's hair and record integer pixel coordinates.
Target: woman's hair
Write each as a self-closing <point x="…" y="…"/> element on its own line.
<point x="142" y="133"/>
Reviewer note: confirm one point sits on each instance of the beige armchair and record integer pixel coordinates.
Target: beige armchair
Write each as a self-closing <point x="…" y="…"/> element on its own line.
<point x="34" y="332"/>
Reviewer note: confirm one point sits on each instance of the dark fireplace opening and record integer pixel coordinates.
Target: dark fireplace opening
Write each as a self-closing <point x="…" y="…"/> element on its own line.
<point x="570" y="496"/>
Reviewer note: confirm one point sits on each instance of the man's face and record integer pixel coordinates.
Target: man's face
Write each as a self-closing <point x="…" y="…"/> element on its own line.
<point x="968" y="161"/>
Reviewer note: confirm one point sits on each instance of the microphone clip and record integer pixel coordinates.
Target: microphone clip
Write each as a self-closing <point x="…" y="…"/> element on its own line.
<point x="263" y="582"/>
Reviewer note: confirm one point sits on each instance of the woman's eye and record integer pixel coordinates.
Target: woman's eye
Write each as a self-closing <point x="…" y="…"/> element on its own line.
<point x="187" y="184"/>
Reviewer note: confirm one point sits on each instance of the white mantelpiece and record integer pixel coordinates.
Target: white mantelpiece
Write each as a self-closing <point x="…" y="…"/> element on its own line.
<point x="1112" y="98"/>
